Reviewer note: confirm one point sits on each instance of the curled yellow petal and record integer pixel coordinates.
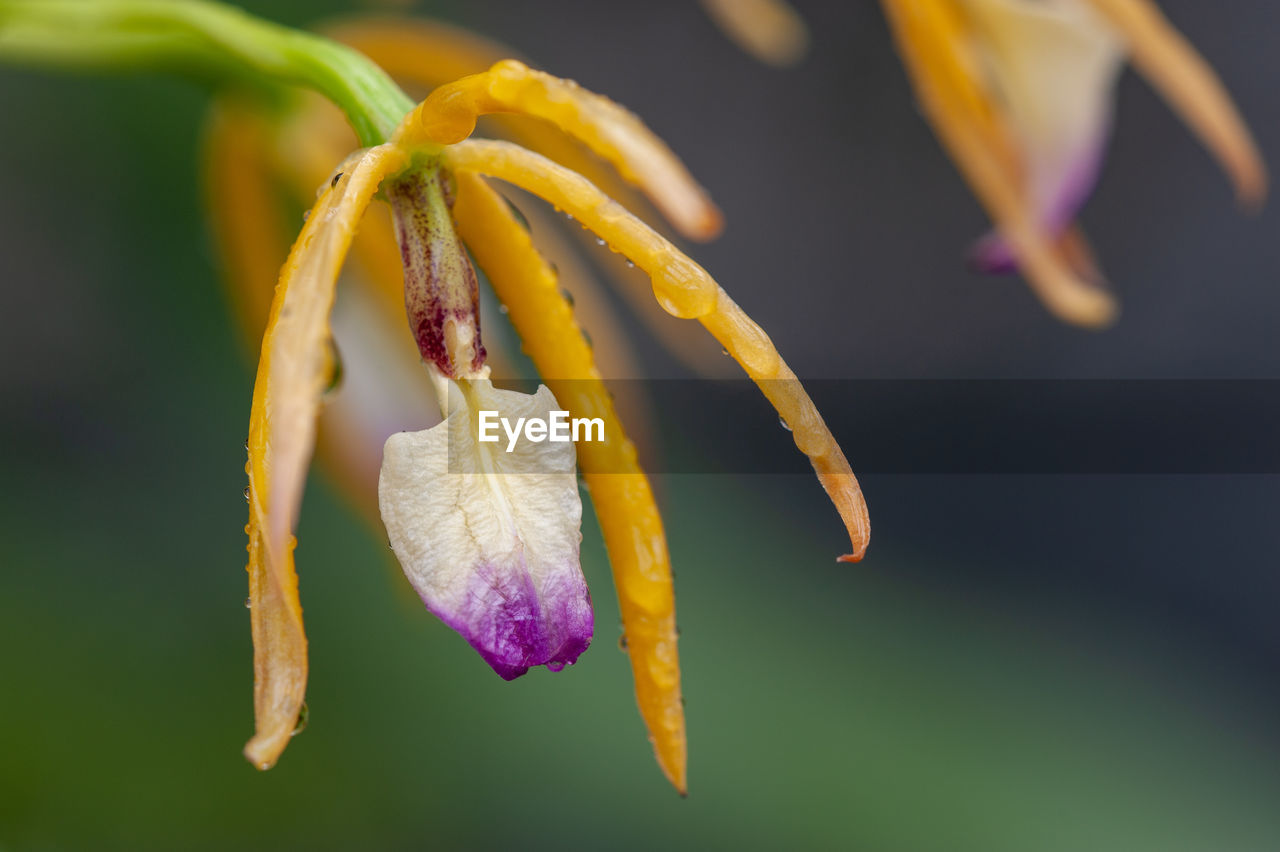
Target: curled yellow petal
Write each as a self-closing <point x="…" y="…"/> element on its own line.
<point x="620" y="491"/>
<point x="422" y="55"/>
<point x="449" y="115"/>
<point x="684" y="289"/>
<point x="292" y="374"/>
<point x="770" y="30"/>
<point x="1191" y="87"/>
<point x="948" y="80"/>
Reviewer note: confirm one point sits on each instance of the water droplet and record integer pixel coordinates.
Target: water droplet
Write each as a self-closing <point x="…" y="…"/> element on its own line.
<point x="306" y="214"/>
<point x="246" y="443"/>
<point x="622" y="643"/>
<point x="335" y="367"/>
<point x="246" y="494"/>
<point x="517" y="214"/>
<point x="724" y="351"/>
<point x="264" y="765"/>
<point x="248" y="603"/>
<point x="568" y="216"/>
<point x="600" y="241"/>
<point x="784" y="424"/>
<point x="304" y="716"/>
<point x="568" y="297"/>
<point x="631" y="264"/>
<point x="504" y="310"/>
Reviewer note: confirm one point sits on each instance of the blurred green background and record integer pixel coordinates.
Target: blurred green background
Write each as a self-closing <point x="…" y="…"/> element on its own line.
<point x="1022" y="663"/>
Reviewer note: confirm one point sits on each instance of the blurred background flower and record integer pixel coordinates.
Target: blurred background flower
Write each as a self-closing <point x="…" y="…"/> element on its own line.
<point x="1020" y="663"/>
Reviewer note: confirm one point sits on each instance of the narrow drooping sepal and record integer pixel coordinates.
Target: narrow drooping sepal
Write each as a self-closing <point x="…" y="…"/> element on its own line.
<point x="489" y="537"/>
<point x="441" y="296"/>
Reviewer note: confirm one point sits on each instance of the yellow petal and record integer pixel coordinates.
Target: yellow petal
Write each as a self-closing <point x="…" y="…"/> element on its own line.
<point x="292" y="374"/>
<point x="620" y="491"/>
<point x="449" y="115"/>
<point x="1174" y="67"/>
<point x="684" y="289"/>
<point x="422" y="55"/>
<point x="770" y="30"/>
<point x="244" y="213"/>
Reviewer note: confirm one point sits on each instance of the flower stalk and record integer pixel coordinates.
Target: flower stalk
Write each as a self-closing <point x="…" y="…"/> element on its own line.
<point x="201" y="36"/>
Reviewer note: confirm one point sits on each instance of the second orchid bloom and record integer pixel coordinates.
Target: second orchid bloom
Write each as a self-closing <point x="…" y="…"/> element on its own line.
<point x="490" y="539"/>
<point x="1020" y="93"/>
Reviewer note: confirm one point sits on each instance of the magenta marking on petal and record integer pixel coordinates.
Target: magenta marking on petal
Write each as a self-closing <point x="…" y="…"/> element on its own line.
<point x="514" y="628"/>
<point x="992" y="254"/>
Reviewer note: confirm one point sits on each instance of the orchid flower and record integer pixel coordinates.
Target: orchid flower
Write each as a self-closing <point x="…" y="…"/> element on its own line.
<point x="1020" y="93"/>
<point x="488" y="539"/>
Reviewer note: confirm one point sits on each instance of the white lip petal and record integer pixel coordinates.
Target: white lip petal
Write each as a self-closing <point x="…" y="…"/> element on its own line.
<point x="489" y="538"/>
<point x="1054" y="63"/>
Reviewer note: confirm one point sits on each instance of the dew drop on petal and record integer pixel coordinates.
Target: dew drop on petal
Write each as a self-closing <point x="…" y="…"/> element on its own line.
<point x="600" y="241"/>
<point x="784" y="424"/>
<point x="304" y="716"/>
<point x="246" y="494"/>
<point x="248" y="603"/>
<point x="631" y="264"/>
<point x="518" y="215"/>
<point x="335" y="367"/>
<point x="504" y="310"/>
<point x="622" y="643"/>
<point x="724" y="352"/>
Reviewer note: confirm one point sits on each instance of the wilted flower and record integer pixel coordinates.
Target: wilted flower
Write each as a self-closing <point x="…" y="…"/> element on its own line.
<point x="1020" y="93"/>
<point x="488" y="539"/>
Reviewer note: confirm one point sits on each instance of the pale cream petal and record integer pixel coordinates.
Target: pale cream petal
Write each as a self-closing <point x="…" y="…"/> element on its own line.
<point x="488" y="533"/>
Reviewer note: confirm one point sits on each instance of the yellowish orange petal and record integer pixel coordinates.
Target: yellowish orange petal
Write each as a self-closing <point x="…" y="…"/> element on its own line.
<point x="770" y="30"/>
<point x="685" y="290"/>
<point x="1191" y="87"/>
<point x="292" y="374"/>
<point x="620" y="492"/>
<point x="243" y="210"/>
<point x="449" y="115"/>
<point x="421" y="56"/>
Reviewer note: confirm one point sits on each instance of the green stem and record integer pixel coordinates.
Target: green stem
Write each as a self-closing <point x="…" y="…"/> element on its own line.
<point x="203" y="35"/>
